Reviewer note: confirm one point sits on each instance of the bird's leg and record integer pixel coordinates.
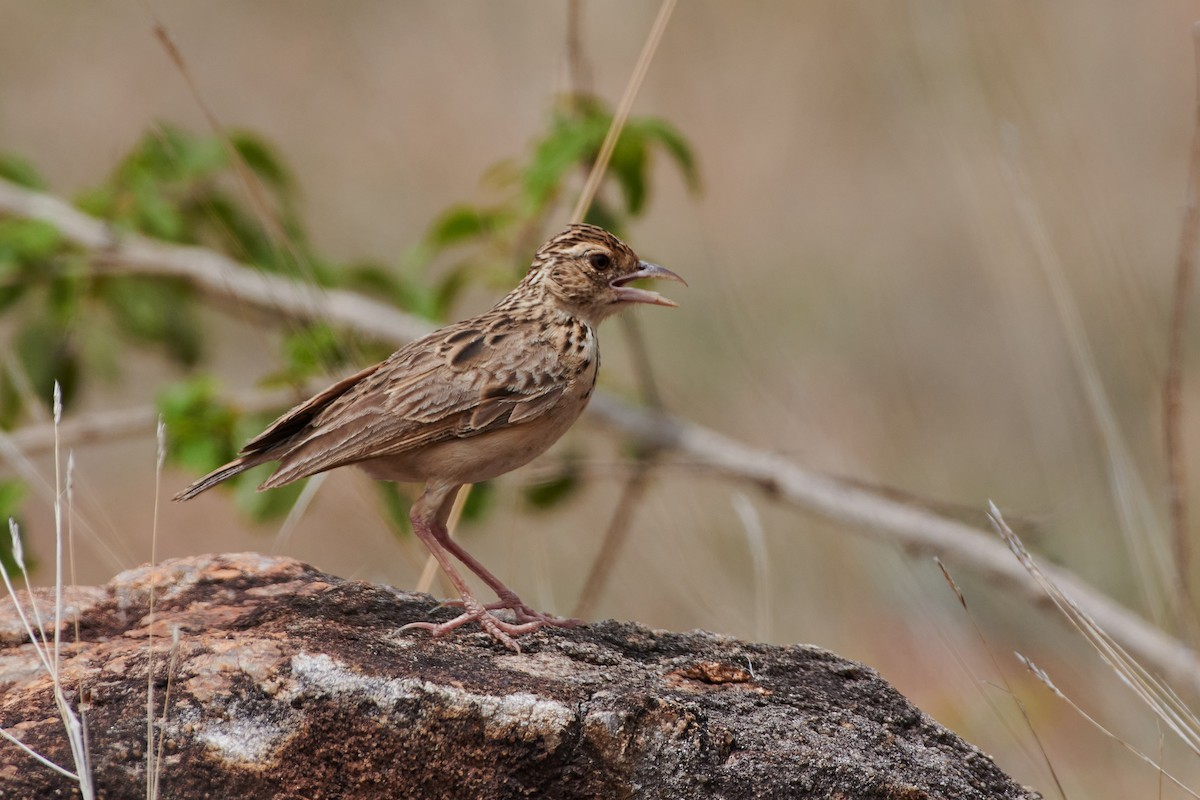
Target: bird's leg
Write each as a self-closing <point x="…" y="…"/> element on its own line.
<point x="431" y="530"/>
<point x="507" y="598"/>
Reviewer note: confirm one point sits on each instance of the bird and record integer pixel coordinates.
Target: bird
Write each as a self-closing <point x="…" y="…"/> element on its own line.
<point x="469" y="402"/>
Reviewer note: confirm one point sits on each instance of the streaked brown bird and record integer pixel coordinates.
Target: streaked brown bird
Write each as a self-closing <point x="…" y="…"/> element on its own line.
<point x="466" y="403"/>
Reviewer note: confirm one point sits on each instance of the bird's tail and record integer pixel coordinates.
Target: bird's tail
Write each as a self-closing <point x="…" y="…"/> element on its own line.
<point x="235" y="467"/>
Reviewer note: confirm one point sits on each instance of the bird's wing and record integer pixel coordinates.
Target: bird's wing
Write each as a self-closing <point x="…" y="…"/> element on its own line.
<point x="458" y="382"/>
<point x="294" y="421"/>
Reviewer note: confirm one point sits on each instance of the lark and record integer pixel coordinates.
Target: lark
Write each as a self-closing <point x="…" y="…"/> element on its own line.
<point x="467" y="403"/>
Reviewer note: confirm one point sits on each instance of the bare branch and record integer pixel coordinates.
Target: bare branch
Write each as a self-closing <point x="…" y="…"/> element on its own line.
<point x="614" y="539"/>
<point x="867" y="511"/>
<point x="1189" y="239"/>
<point x="209" y="271"/>
<point x="914" y="528"/>
<point x="100" y="426"/>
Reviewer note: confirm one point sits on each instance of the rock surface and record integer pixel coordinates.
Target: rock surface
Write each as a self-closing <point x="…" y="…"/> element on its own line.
<point x="287" y="682"/>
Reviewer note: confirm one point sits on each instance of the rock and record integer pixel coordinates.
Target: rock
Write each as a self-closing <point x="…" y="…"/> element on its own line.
<point x="287" y="682"/>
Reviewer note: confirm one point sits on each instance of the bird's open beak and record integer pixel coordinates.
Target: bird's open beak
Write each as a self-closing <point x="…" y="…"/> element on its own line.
<point x="629" y="294"/>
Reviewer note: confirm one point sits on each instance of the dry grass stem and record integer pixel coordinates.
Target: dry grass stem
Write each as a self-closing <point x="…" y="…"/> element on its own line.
<point x="49" y="651"/>
<point x="1189" y="240"/>
<point x="614" y="540"/>
<point x="75" y="728"/>
<point x="622" y="113"/>
<point x="1005" y="686"/>
<point x="1155" y="694"/>
<point x="297" y="511"/>
<point x="1040" y="674"/>
<point x="1141" y="533"/>
<point x="152" y="765"/>
<point x="756" y="543"/>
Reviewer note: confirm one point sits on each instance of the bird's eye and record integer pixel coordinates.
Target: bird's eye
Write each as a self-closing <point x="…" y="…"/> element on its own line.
<point x="600" y="260"/>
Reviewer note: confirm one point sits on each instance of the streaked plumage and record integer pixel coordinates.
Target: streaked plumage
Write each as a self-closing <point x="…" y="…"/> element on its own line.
<point x="468" y="402"/>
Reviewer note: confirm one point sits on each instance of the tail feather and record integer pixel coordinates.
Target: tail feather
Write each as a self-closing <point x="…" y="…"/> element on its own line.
<point x="279" y="439"/>
<point x="235" y="467"/>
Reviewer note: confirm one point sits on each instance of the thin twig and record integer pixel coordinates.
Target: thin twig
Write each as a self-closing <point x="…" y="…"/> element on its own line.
<point x="1189" y="240"/>
<point x="172" y="665"/>
<point x="614" y="539"/>
<point x="862" y="509"/>
<point x="635" y="485"/>
<point x="579" y="76"/>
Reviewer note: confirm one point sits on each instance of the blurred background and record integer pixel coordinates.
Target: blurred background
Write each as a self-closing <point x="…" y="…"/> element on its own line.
<point x="933" y="250"/>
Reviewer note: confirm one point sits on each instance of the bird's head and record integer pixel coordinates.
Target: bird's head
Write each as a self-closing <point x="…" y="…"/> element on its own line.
<point x="588" y="271"/>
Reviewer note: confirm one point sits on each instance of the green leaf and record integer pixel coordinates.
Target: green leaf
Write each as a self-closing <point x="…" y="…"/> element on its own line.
<point x="572" y="141"/>
<point x="373" y="279"/>
<point x="153" y="213"/>
<point x="414" y="296"/>
<point x="156" y="311"/>
<point x="28" y="241"/>
<point x="103" y="350"/>
<point x="11" y="494"/>
<point x="600" y="214"/>
<point x="449" y="288"/>
<point x="47" y="355"/>
<point x="396" y="506"/>
<point x="20" y="171"/>
<point x="478" y="501"/>
<point x="263" y="160"/>
<point x="189" y="158"/>
<point x="266" y="505"/>
<point x="63" y="300"/>
<point x="458" y="224"/>
<point x="99" y="201"/>
<point x="27" y="251"/>
<point x="628" y="167"/>
<point x="233" y="229"/>
<point x="664" y="133"/>
<point x="550" y="493"/>
<point x="12" y="404"/>
<point x="313" y="349"/>
<point x="10" y="294"/>
<point x="200" y="429"/>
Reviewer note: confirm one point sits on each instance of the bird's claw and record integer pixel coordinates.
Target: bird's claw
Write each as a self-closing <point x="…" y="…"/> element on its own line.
<point x="522" y="612"/>
<point x="499" y="630"/>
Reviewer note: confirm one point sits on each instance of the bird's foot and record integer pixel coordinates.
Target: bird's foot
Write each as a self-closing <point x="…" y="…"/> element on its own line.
<point x="523" y="612"/>
<point x="500" y="630"/>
